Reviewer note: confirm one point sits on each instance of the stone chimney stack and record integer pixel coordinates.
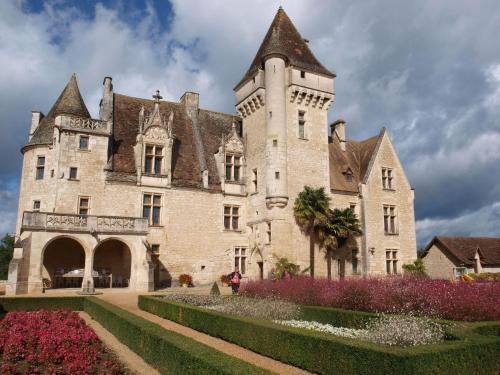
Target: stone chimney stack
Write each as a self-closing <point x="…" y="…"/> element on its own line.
<point x="191" y="100"/>
<point x="36" y="117"/>
<point x="106" y="107"/>
<point x="338" y="130"/>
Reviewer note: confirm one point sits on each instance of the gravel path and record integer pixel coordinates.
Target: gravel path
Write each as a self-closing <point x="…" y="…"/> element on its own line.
<point x="133" y="362"/>
<point x="128" y="302"/>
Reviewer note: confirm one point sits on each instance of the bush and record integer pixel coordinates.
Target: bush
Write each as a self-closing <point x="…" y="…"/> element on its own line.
<point x="52" y="342"/>
<point x="41" y="303"/>
<point x="169" y="352"/>
<point x="485" y="276"/>
<point x="6" y="251"/>
<point x="327" y="354"/>
<point x="416" y="268"/>
<point x="185" y="279"/>
<point x="404" y="331"/>
<point x="224" y="279"/>
<point x="471" y="301"/>
<point x="257" y="308"/>
<point x="215" y="290"/>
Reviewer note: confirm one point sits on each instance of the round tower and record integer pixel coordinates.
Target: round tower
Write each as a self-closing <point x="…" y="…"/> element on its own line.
<point x="276" y="131"/>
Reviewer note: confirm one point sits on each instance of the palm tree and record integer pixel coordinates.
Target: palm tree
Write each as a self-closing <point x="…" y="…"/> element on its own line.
<point x="310" y="209"/>
<point x="339" y="227"/>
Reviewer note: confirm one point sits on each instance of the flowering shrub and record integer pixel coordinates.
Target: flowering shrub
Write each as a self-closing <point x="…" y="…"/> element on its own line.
<point x="267" y="308"/>
<point x="327" y="328"/>
<point x="387" y="330"/>
<point x="404" y="331"/>
<point x="52" y="342"/>
<point x="185" y="279"/>
<point x="471" y="301"/>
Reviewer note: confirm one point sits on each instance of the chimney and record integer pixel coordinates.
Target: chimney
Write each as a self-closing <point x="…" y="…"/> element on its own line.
<point x="191" y="100"/>
<point x="338" y="130"/>
<point x="106" y="106"/>
<point x="36" y="117"/>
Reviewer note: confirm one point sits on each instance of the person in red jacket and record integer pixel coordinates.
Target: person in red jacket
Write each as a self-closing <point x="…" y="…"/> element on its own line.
<point x="235" y="279"/>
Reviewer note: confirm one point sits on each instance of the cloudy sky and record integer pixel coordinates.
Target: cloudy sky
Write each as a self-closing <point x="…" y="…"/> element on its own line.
<point x="429" y="71"/>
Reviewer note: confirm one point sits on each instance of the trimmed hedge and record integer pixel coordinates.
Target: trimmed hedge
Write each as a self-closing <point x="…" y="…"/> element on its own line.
<point x="167" y="351"/>
<point x="41" y="303"/>
<point x="327" y="354"/>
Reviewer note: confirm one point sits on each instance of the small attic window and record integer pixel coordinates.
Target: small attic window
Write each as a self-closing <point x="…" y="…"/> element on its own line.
<point x="253" y="79"/>
<point x="348" y="175"/>
<point x="302" y="74"/>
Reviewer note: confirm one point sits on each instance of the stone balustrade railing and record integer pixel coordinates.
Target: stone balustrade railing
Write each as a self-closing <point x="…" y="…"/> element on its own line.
<point x="82" y="124"/>
<point x="82" y="223"/>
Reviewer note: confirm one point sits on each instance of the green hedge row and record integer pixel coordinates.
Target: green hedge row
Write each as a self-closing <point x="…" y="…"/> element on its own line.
<point x="41" y="303"/>
<point x="327" y="354"/>
<point x="167" y="351"/>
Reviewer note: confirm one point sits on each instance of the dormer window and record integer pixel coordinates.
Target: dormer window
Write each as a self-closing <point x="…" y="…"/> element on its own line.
<point x="348" y="175"/>
<point x="233" y="167"/>
<point x="153" y="160"/>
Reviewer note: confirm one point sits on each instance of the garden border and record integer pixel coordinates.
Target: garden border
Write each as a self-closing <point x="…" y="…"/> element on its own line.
<point x="473" y="352"/>
<point x="167" y="351"/>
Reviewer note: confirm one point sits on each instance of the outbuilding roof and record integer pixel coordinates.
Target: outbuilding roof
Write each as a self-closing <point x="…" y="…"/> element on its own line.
<point x="464" y="249"/>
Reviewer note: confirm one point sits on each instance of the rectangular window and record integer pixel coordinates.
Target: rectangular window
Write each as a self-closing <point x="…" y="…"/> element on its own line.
<point x="352" y="206"/>
<point x="84" y="142"/>
<point x="391" y="261"/>
<point x="233" y="167"/>
<point x="231" y="217"/>
<point x="83" y="205"/>
<point x="277" y="175"/>
<point x="153" y="159"/>
<point x="268" y="232"/>
<point x="302" y="74"/>
<point x="36" y="206"/>
<point x="73" y="173"/>
<point x="302" y="125"/>
<point x="151" y="208"/>
<point x="390" y="219"/>
<point x="354" y="260"/>
<point x="254" y="180"/>
<point x="240" y="259"/>
<point x="40" y="167"/>
<point x="387" y="177"/>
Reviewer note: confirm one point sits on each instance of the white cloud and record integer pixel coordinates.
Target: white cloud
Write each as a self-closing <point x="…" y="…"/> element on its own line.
<point x="483" y="222"/>
<point x="425" y="70"/>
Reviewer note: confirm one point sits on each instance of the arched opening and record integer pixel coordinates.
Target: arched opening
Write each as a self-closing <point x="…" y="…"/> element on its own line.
<point x="112" y="261"/>
<point x="63" y="264"/>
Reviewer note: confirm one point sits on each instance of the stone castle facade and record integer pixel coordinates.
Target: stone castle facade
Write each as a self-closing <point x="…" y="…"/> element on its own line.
<point x="153" y="189"/>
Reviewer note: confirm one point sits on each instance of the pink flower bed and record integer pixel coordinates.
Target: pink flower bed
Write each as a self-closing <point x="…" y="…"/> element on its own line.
<point x="465" y="301"/>
<point x="52" y="342"/>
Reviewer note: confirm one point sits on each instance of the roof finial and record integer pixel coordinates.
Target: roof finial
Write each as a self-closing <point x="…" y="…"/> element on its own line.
<point x="157" y="97"/>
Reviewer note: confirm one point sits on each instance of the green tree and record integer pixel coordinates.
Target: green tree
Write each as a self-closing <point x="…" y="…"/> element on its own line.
<point x="416" y="268"/>
<point x="336" y="231"/>
<point x="310" y="210"/>
<point x="6" y="251"/>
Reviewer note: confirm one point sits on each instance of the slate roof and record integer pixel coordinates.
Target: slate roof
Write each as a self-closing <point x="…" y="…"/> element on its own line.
<point x="356" y="157"/>
<point x="464" y="248"/>
<point x="70" y="102"/>
<point x="284" y="39"/>
<point x="186" y="169"/>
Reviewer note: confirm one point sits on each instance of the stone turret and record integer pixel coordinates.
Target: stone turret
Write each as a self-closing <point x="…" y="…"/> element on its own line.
<point x="276" y="131"/>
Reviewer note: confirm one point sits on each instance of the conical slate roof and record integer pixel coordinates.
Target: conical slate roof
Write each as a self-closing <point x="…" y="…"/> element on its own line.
<point x="283" y="38"/>
<point x="70" y="102"/>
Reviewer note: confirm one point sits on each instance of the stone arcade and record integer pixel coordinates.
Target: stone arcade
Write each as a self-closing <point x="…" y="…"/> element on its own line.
<point x="153" y="189"/>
